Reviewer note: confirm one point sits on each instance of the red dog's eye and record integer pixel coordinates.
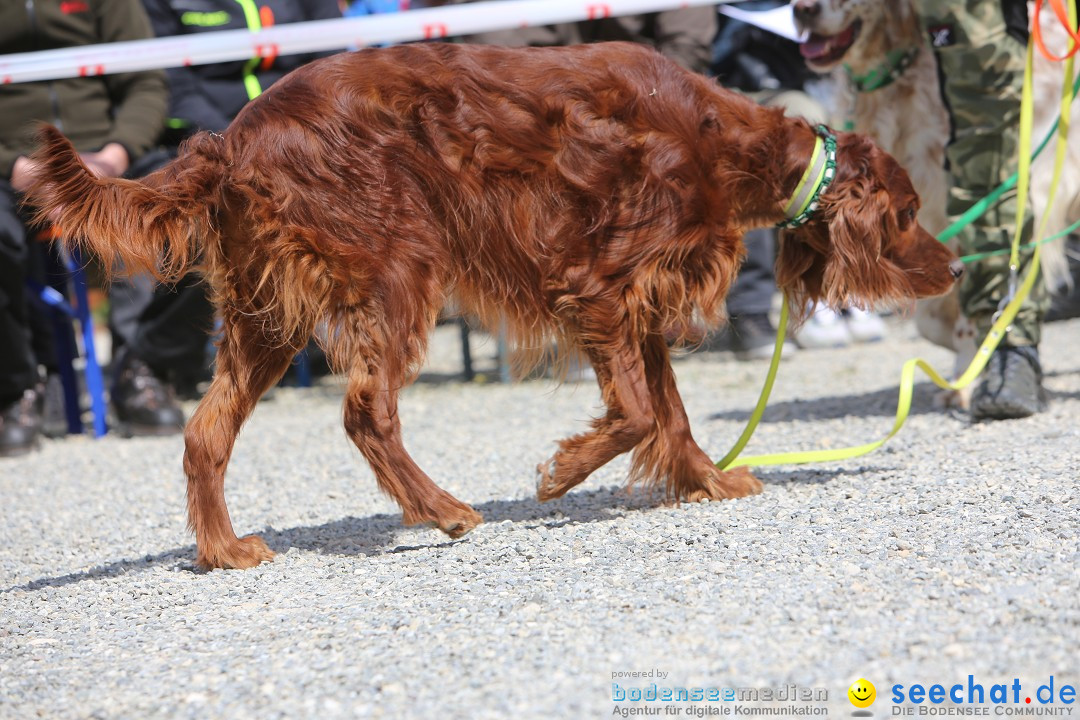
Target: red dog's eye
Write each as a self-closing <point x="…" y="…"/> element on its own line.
<point x="907" y="218"/>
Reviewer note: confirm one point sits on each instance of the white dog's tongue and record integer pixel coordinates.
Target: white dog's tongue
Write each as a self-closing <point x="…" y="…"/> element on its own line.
<point x="814" y="47"/>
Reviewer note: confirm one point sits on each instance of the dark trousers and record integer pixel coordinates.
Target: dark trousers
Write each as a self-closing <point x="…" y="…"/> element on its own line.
<point x="753" y="290"/>
<point x="165" y="325"/>
<point x="18" y="363"/>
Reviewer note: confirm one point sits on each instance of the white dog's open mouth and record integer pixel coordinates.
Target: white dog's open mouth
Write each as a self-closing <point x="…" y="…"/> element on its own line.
<point x="826" y="50"/>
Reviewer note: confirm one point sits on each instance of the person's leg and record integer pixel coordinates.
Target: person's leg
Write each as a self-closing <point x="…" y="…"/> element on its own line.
<point x="128" y="298"/>
<point x="20" y="420"/>
<point x="44" y="265"/>
<point x="755" y="286"/>
<point x="171" y="331"/>
<point x="749" y="302"/>
<point x="160" y="335"/>
<point x="982" y="62"/>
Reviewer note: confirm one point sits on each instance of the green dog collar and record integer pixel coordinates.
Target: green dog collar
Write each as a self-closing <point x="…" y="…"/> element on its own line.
<point x="818" y="176"/>
<point x="896" y="62"/>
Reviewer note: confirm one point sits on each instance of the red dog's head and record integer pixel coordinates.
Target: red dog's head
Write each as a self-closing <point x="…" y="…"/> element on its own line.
<point x="863" y="245"/>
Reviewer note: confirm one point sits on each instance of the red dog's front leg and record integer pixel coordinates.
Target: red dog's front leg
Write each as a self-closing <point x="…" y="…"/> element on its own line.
<point x="629" y="418"/>
<point x="671" y="453"/>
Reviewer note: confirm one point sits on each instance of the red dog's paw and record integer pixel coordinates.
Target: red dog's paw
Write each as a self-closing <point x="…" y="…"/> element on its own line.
<point x="553" y="481"/>
<point x="724" y="485"/>
<point x="450" y="515"/>
<point x="546" y="487"/>
<point x="241" y="554"/>
<point x="457" y="524"/>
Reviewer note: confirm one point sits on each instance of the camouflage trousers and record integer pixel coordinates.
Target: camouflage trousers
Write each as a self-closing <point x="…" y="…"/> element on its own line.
<point x="982" y="71"/>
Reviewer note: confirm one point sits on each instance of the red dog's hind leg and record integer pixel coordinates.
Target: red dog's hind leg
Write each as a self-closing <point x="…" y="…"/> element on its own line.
<point x="247" y="365"/>
<point x="671" y="451"/>
<point x="629" y="418"/>
<point x="371" y="421"/>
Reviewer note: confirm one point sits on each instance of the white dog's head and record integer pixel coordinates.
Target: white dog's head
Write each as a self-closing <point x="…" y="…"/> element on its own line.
<point x="857" y="32"/>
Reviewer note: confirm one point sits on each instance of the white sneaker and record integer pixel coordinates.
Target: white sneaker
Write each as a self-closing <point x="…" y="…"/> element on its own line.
<point x="864" y="326"/>
<point x="825" y="328"/>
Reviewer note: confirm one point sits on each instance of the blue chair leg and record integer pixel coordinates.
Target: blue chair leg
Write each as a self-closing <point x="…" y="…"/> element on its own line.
<point x="69" y="271"/>
<point x="95" y="385"/>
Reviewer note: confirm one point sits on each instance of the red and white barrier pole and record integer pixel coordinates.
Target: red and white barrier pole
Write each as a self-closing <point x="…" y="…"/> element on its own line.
<point x="229" y="45"/>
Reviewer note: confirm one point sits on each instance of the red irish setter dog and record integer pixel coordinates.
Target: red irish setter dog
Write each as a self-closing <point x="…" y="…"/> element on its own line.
<point x="593" y="195"/>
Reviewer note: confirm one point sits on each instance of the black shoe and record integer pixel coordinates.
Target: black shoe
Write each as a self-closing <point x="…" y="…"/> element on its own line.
<point x="1011" y="386"/>
<point x="753" y="337"/>
<point x="20" y="425"/>
<point x="144" y="404"/>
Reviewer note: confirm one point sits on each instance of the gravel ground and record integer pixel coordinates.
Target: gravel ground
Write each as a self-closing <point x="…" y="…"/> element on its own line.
<point x="952" y="551"/>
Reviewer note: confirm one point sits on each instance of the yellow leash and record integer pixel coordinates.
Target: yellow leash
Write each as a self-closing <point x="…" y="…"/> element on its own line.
<point x="1017" y="295"/>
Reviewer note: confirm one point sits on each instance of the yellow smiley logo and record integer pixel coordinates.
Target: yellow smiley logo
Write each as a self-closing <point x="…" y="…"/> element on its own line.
<point x="862" y="693"/>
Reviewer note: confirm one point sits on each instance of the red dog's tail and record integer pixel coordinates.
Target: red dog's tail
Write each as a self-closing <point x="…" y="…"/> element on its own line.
<point x="158" y="224"/>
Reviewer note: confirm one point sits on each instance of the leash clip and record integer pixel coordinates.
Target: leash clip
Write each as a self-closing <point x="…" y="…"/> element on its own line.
<point x="1014" y="273"/>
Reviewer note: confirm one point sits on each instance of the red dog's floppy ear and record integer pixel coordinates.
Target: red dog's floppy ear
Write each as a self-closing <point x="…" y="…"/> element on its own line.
<point x="857" y="271"/>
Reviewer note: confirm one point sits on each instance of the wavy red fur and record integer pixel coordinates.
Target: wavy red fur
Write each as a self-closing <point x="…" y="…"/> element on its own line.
<point x="592" y="195"/>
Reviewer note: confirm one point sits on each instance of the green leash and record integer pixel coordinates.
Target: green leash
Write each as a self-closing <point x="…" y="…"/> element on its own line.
<point x="1026" y="246"/>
